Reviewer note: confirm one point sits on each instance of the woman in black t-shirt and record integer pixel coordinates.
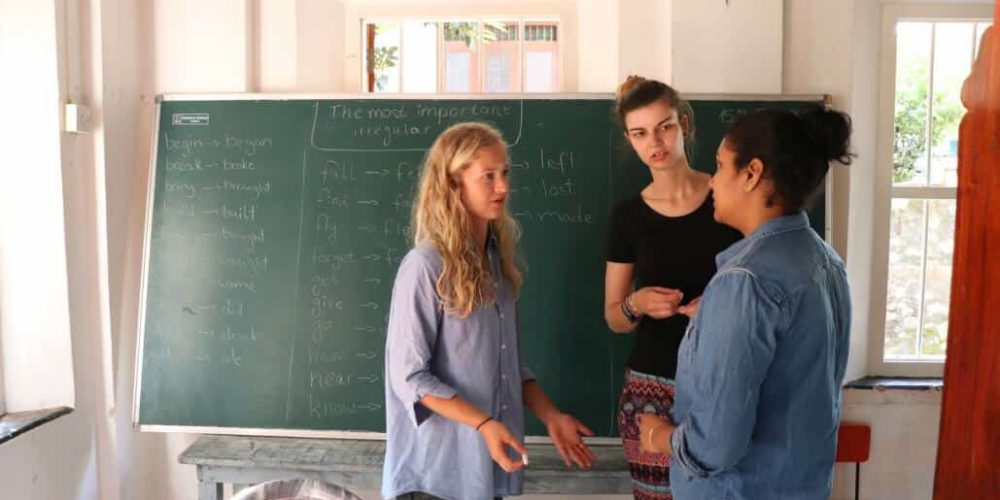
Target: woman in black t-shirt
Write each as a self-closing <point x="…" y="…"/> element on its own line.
<point x="661" y="253"/>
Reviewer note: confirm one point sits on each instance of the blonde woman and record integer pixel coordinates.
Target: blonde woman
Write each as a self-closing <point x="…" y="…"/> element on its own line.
<point x="456" y="383"/>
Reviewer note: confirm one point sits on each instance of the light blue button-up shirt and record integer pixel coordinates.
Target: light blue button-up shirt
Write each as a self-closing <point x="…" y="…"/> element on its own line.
<point x="431" y="352"/>
<point x="760" y="368"/>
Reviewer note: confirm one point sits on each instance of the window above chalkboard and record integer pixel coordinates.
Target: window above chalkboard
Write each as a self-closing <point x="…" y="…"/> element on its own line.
<point x="463" y="56"/>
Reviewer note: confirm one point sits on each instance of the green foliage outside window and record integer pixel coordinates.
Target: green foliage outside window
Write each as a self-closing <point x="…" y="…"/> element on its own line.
<point x="910" y="123"/>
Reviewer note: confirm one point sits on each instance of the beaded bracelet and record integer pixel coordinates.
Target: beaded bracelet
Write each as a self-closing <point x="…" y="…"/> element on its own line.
<point x="627" y="310"/>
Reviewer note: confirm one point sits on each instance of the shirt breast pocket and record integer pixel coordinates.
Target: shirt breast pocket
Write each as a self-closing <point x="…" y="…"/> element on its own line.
<point x="689" y="346"/>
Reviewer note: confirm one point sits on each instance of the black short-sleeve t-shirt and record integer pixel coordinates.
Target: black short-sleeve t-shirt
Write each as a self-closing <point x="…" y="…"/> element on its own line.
<point x="672" y="252"/>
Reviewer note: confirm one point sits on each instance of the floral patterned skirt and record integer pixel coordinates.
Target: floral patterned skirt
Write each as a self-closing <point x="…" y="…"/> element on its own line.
<point x="643" y="393"/>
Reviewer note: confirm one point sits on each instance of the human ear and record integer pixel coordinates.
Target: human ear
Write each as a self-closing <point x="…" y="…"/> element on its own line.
<point x="753" y="174"/>
<point x="685" y="124"/>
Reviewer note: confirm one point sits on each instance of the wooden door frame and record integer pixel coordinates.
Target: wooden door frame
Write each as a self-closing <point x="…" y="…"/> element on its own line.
<point x="968" y="452"/>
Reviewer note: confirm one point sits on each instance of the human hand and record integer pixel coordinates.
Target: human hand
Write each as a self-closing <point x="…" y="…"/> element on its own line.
<point x="566" y="433"/>
<point x="648" y="425"/>
<point x="498" y="438"/>
<point x="656" y="302"/>
<point x="691" y="308"/>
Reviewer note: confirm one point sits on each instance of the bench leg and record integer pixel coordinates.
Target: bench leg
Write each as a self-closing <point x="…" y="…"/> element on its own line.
<point x="857" y="480"/>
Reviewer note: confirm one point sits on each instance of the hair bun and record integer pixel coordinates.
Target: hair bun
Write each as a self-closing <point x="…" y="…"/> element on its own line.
<point x="830" y="132"/>
<point x="630" y="84"/>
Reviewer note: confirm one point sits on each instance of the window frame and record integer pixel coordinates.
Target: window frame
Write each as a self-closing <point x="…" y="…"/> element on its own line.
<point x="885" y="192"/>
<point x="521" y="20"/>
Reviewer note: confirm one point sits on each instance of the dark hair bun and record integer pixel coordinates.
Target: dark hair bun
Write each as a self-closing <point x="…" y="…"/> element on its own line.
<point x="796" y="148"/>
<point x="630" y="84"/>
<point x="830" y="132"/>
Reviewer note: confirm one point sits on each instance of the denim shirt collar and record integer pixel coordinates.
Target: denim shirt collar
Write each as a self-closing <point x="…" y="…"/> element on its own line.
<point x="798" y="220"/>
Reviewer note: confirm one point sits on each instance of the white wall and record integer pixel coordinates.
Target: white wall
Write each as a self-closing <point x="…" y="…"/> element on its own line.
<point x="598" y="63"/>
<point x="853" y="188"/>
<point x="649" y="53"/>
<point x="733" y="48"/>
<point x="145" y="465"/>
<point x="904" y="444"/>
<point x="57" y="461"/>
<point x="203" y="46"/>
<point x="277" y="43"/>
<point x="296" y="50"/>
<point x="320" y="56"/>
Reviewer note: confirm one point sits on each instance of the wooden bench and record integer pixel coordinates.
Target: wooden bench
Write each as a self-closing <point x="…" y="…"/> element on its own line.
<point x="357" y="465"/>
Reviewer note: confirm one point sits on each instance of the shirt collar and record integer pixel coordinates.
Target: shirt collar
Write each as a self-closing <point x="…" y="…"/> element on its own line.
<point x="492" y="241"/>
<point x="798" y="220"/>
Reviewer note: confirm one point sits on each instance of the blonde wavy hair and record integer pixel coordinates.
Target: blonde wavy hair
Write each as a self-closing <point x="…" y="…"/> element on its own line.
<point x="440" y="219"/>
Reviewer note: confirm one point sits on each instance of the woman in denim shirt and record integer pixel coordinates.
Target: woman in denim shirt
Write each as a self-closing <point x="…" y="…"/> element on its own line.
<point x="456" y="384"/>
<point x="759" y="372"/>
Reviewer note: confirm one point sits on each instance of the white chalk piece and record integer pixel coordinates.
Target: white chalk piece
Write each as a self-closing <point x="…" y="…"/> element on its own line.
<point x="524" y="459"/>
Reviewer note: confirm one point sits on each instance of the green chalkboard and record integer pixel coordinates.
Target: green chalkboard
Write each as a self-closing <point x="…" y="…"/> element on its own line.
<point x="275" y="227"/>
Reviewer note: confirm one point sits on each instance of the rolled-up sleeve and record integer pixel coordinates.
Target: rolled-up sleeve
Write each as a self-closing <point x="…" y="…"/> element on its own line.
<point x="526" y="373"/>
<point x="734" y="346"/>
<point x="414" y="322"/>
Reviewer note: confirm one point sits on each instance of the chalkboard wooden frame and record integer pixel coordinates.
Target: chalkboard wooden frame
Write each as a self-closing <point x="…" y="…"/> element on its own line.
<point x="151" y="188"/>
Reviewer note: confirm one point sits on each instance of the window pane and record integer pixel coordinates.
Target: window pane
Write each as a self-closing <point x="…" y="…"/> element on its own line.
<point x="498" y="72"/>
<point x="913" y="54"/>
<point x="383" y="57"/>
<point x="458" y="71"/>
<point x="541" y="32"/>
<point x="500" y="31"/>
<point x="419" y="56"/>
<point x="461" y="43"/>
<point x="906" y="254"/>
<point x="503" y="57"/>
<point x="937" y="284"/>
<point x="952" y="62"/>
<point x="539" y="72"/>
<point x="541" y="47"/>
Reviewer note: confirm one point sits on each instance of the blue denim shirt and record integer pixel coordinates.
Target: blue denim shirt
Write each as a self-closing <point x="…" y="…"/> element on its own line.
<point x="760" y="368"/>
<point x="431" y="352"/>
